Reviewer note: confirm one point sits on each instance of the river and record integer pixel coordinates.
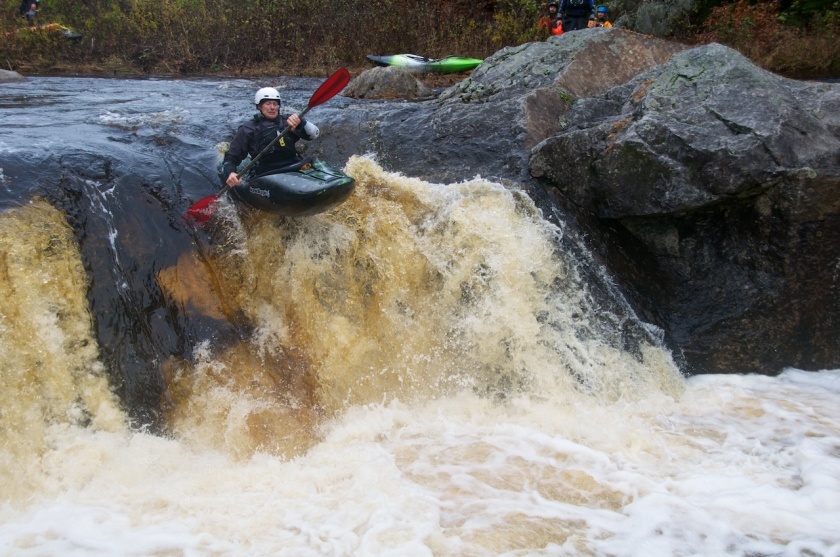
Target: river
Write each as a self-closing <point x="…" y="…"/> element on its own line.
<point x="420" y="371"/>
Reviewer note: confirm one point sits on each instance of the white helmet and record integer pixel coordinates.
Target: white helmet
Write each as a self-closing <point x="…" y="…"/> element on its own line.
<point x="266" y="94"/>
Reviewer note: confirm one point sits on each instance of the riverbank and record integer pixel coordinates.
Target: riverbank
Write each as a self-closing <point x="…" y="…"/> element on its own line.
<point x="434" y="81"/>
<point x="218" y="38"/>
<point x="121" y="69"/>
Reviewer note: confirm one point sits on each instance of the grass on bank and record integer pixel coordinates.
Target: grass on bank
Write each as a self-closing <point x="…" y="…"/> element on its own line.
<point x="190" y="37"/>
<point x="777" y="41"/>
<point x="313" y="37"/>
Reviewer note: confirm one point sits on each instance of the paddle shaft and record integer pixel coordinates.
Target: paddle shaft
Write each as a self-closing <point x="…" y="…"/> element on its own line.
<point x="264" y="151"/>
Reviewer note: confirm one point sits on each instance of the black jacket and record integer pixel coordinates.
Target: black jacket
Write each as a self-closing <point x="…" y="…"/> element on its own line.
<point x="577" y="8"/>
<point x="252" y="137"/>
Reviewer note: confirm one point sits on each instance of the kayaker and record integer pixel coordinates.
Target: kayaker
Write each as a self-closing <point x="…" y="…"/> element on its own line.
<point x="600" y="20"/>
<point x="255" y="134"/>
<point x="552" y="21"/>
<point x="575" y="13"/>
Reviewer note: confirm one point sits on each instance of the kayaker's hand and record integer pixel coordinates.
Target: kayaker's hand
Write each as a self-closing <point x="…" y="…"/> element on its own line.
<point x="293" y="121"/>
<point x="233" y="180"/>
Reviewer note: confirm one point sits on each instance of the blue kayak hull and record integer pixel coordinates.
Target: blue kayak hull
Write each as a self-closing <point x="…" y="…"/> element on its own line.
<point x="306" y="188"/>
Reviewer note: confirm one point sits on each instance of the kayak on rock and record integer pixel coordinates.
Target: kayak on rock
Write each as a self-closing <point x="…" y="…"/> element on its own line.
<point x="421" y="64"/>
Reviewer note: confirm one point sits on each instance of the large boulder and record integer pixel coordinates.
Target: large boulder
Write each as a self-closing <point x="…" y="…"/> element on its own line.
<point x="727" y="178"/>
<point x="487" y="123"/>
<point x="386" y="83"/>
<point x="707" y="186"/>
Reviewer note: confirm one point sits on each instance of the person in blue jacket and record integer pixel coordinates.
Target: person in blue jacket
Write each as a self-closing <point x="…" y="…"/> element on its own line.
<point x="576" y="14"/>
<point x="263" y="130"/>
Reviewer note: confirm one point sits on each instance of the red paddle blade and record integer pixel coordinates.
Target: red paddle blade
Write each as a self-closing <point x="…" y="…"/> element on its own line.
<point x="330" y="88"/>
<point x="202" y="210"/>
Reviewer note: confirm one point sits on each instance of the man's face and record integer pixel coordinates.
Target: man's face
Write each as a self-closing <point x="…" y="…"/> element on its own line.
<point x="270" y="109"/>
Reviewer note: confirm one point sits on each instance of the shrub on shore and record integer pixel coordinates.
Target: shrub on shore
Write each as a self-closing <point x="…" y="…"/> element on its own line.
<point x="296" y="37"/>
<point x="792" y="42"/>
<point x="286" y="36"/>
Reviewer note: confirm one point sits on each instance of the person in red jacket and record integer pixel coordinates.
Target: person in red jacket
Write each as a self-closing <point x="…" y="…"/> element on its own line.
<point x="552" y="21"/>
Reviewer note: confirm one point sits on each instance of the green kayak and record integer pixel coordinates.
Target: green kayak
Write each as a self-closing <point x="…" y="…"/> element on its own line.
<point x="421" y="64"/>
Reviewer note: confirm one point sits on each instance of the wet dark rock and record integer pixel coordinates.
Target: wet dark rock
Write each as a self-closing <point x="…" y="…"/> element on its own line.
<point x="708" y="187"/>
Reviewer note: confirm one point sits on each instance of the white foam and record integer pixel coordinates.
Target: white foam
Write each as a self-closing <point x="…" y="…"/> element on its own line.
<point x="600" y="453"/>
<point x="135" y="120"/>
<point x="741" y="465"/>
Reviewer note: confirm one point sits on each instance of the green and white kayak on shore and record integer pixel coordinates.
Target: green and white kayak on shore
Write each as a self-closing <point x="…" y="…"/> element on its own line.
<point x="421" y="64"/>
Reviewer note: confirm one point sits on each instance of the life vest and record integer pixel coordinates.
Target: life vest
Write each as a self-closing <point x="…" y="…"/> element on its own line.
<point x="577" y="8"/>
<point x="255" y="135"/>
<point x="282" y="148"/>
<point x="554" y="26"/>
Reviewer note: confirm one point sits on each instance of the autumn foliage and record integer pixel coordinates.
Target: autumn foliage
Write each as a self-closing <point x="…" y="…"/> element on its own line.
<point x="295" y="37"/>
<point x="778" y="41"/>
<point x="241" y="36"/>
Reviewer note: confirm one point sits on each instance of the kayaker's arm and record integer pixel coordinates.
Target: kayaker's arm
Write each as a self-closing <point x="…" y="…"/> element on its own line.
<point x="235" y="154"/>
<point x="293" y="121"/>
<point x="303" y="128"/>
<point x="309" y="131"/>
<point x="233" y="180"/>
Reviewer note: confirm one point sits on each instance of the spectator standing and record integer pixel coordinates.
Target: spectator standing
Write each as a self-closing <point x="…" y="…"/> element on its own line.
<point x="601" y="18"/>
<point x="29" y="9"/>
<point x="552" y="21"/>
<point x="575" y="13"/>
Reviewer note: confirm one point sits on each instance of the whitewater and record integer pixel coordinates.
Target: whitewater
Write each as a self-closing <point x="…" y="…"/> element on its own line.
<point x="418" y="372"/>
<point x="642" y="463"/>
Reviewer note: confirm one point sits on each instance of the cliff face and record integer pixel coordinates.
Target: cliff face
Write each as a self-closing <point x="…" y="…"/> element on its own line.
<point x="708" y="187"/>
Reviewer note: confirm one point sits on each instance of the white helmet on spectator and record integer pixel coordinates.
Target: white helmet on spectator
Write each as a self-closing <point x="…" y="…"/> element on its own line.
<point x="266" y="94"/>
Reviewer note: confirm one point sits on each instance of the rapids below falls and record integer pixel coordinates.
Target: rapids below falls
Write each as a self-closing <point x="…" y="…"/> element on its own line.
<point x="420" y="371"/>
